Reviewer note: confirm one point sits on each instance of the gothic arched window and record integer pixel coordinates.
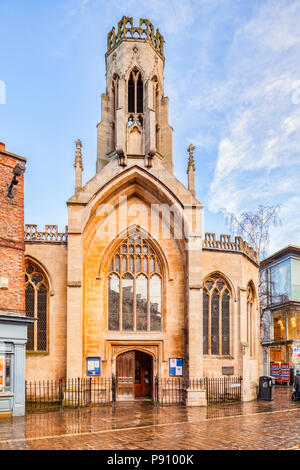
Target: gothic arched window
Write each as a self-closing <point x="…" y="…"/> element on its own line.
<point x="36" y="304"/>
<point x="115" y="93"/>
<point x="250" y="312"/>
<point x="216" y="316"/>
<point x="135" y="92"/>
<point x="135" y="287"/>
<point x="156" y="110"/>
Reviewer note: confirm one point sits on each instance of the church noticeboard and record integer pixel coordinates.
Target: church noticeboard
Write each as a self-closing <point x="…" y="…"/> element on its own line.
<point x="175" y="367"/>
<point x="93" y="365"/>
<point x="227" y="370"/>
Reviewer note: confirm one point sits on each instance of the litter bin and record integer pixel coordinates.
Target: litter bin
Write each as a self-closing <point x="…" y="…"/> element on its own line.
<point x="266" y="383"/>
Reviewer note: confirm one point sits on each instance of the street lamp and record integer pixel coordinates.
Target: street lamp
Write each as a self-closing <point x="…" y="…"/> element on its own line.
<point x="18" y="170"/>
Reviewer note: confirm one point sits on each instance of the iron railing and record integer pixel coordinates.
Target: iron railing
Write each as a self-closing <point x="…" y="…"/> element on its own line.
<point x="223" y="389"/>
<point x="172" y="390"/>
<point x="58" y="394"/>
<point x="80" y="392"/>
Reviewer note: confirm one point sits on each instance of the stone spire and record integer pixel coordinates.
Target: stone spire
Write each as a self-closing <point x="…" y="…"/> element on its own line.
<point x="191" y="169"/>
<point x="78" y="165"/>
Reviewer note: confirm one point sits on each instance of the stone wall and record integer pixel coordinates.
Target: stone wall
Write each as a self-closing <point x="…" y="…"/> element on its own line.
<point x="52" y="258"/>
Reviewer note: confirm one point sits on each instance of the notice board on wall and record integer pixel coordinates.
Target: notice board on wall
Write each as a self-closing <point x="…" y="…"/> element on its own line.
<point x="175" y="367"/>
<point x="93" y="366"/>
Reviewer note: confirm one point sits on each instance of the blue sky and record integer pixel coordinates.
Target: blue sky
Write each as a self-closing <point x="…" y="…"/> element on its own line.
<point x="232" y="75"/>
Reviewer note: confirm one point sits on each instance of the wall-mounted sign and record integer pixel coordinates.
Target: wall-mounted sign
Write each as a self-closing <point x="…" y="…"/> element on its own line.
<point x="93" y="365"/>
<point x="275" y="350"/>
<point x="227" y="370"/>
<point x="296" y="352"/>
<point x="175" y="367"/>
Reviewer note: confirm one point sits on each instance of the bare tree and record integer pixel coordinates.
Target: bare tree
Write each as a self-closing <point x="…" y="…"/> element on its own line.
<point x="254" y="227"/>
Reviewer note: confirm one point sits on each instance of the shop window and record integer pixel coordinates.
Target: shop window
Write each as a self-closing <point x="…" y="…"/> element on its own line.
<point x="36" y="304"/>
<point x="135" y="287"/>
<point x="216" y="317"/>
<point x="294" y="325"/>
<point x="6" y="350"/>
<point x="279" y="325"/>
<point x="280" y="282"/>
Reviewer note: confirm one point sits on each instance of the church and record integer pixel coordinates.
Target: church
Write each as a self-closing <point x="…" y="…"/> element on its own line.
<point x="132" y="288"/>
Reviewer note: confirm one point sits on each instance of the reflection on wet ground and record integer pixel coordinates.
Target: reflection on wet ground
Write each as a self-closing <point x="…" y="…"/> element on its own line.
<point x="143" y="425"/>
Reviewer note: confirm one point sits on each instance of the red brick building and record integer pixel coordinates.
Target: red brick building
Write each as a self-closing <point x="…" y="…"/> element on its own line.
<point x="13" y="322"/>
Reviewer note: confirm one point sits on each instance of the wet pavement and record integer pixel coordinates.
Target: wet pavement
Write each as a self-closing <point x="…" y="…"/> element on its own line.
<point x="142" y="425"/>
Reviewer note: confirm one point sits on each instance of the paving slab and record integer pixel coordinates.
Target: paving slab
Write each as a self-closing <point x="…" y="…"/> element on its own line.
<point x="140" y="425"/>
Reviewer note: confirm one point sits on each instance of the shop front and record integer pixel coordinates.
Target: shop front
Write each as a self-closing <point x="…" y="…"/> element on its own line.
<point x="13" y="338"/>
<point x="282" y="351"/>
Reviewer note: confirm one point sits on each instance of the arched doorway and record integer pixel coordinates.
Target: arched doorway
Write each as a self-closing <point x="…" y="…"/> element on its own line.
<point x="134" y="374"/>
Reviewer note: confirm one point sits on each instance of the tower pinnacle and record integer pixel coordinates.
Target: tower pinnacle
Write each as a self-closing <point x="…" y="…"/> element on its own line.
<point x="191" y="169"/>
<point x="78" y="165"/>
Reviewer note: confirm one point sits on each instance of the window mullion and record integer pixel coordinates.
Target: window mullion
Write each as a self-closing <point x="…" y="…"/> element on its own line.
<point x="251" y="327"/>
<point x="148" y="304"/>
<point x="135" y="94"/>
<point x="209" y="322"/>
<point x="120" y="303"/>
<point x="220" y="325"/>
<point x="35" y="327"/>
<point x="134" y="303"/>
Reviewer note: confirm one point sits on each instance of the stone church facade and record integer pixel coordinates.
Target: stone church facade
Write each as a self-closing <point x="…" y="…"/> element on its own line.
<point x="132" y="280"/>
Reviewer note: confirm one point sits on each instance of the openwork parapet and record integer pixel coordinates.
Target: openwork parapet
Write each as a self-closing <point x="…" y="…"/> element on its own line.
<point x="126" y="30"/>
<point x="225" y="243"/>
<point x="51" y="234"/>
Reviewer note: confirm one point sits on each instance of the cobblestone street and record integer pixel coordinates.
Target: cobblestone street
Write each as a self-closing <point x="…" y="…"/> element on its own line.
<point x="142" y="425"/>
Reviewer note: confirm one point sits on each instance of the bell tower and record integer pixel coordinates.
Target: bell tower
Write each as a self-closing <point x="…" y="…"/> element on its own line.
<point x="135" y="124"/>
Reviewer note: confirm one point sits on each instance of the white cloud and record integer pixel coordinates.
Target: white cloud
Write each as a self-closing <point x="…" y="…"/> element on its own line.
<point x="259" y="152"/>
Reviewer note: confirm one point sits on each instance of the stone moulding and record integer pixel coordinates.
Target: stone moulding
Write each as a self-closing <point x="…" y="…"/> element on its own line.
<point x="50" y="235"/>
<point x="226" y="244"/>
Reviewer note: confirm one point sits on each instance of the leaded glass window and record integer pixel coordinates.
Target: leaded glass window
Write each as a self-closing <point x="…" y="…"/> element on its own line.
<point x="135" y="287"/>
<point x="36" y="305"/>
<point x="216" y="316"/>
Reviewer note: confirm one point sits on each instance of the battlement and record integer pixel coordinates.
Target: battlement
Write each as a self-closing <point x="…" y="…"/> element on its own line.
<point x="50" y="235"/>
<point x="126" y="30"/>
<point x="225" y="243"/>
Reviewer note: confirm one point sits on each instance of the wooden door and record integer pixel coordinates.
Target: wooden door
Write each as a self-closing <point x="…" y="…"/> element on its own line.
<point x="125" y="376"/>
<point x="143" y="375"/>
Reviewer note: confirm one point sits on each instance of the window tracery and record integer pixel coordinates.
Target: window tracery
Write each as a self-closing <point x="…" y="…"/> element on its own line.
<point x="216" y="316"/>
<point x="135" y="287"/>
<point x="36" y="304"/>
<point x="135" y="92"/>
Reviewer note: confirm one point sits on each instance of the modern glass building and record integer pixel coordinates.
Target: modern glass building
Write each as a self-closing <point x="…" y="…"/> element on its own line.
<point x="280" y="309"/>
